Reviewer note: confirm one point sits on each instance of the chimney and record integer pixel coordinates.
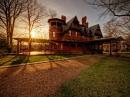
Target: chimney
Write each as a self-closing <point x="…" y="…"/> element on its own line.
<point x="63" y="18"/>
<point x="84" y="21"/>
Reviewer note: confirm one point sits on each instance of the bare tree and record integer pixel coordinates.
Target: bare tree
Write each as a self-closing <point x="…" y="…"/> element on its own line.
<point x="10" y="10"/>
<point x="3" y="43"/>
<point x="116" y="7"/>
<point x="33" y="14"/>
<point x="111" y="29"/>
<point x="124" y="23"/>
<point x="117" y="27"/>
<point x="128" y="39"/>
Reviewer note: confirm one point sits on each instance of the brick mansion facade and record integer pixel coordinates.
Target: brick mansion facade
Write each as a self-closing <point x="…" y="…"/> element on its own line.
<point x="72" y="36"/>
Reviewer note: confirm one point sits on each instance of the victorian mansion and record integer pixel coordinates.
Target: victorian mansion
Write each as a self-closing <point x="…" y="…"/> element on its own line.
<point x="72" y="36"/>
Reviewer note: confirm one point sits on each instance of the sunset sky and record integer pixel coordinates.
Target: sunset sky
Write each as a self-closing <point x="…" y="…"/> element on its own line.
<point x="79" y="8"/>
<point x="71" y="8"/>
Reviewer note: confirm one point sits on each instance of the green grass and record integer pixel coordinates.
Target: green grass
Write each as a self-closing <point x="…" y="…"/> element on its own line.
<point x="108" y="78"/>
<point x="13" y="60"/>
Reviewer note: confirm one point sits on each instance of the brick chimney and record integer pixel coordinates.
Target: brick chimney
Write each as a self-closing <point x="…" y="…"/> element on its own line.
<point x="84" y="21"/>
<point x="63" y="18"/>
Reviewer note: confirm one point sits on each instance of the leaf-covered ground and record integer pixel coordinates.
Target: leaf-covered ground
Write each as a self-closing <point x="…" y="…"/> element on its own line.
<point x="41" y="80"/>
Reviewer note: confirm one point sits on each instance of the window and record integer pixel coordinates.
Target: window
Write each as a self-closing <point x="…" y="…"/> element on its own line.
<point x="53" y="23"/>
<point x="53" y="34"/>
<point x="59" y="24"/>
<point x="61" y="46"/>
<point x="70" y="32"/>
<point x="83" y="37"/>
<point x="76" y="34"/>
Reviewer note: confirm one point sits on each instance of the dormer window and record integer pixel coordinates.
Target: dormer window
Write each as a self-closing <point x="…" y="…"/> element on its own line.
<point x="70" y="33"/>
<point x="53" y="34"/>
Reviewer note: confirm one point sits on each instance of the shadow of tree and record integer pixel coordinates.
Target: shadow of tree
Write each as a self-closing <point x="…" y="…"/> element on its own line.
<point x="2" y="56"/>
<point x="52" y="62"/>
<point x="8" y="60"/>
<point x="59" y="65"/>
<point x="20" y="59"/>
<point x="16" y="60"/>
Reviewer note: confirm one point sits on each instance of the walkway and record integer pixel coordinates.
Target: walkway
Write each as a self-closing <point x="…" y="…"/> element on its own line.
<point x="40" y="80"/>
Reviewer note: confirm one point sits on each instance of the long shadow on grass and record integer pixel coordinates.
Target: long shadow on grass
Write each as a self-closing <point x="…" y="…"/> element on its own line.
<point x="51" y="62"/>
<point x="50" y="59"/>
<point x="16" y="60"/>
<point x="20" y="59"/>
<point x="8" y="61"/>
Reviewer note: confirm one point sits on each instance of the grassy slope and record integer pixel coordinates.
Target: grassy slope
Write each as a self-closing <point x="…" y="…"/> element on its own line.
<point x="108" y="78"/>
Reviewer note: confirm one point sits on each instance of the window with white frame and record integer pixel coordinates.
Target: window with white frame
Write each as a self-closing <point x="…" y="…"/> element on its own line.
<point x="61" y="46"/>
<point x="70" y="32"/>
<point x="53" y="34"/>
<point x="76" y="34"/>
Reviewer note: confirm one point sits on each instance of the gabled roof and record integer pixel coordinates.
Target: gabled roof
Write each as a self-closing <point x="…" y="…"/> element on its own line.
<point x="69" y="23"/>
<point x="94" y="30"/>
<point x="91" y="31"/>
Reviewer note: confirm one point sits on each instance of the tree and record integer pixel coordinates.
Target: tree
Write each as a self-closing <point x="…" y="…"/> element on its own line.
<point x="117" y="27"/>
<point x="111" y="29"/>
<point x="10" y="10"/>
<point x="116" y="7"/>
<point x="3" y="43"/>
<point x="33" y="14"/>
<point x="124" y="23"/>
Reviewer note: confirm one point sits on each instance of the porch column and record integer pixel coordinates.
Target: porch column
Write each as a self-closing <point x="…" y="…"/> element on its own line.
<point x="20" y="45"/>
<point x="17" y="47"/>
<point x="116" y="48"/>
<point x="102" y="47"/>
<point x="110" y="51"/>
<point x="94" y="48"/>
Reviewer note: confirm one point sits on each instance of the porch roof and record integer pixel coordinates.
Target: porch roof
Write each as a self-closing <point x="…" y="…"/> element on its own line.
<point x="111" y="39"/>
<point x="32" y="39"/>
<point x="102" y="40"/>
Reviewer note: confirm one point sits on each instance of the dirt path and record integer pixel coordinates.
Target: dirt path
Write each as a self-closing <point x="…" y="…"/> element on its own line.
<point x="39" y="80"/>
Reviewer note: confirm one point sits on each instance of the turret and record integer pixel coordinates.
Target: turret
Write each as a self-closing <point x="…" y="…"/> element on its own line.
<point x="55" y="28"/>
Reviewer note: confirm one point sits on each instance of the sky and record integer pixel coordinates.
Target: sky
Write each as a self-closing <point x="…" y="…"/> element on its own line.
<point x="79" y="8"/>
<point x="71" y="8"/>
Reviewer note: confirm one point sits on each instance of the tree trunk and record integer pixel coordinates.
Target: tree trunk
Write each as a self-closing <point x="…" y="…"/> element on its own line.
<point x="8" y="39"/>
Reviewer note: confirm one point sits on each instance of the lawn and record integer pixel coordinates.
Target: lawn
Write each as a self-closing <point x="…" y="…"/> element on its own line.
<point x="13" y="59"/>
<point x="110" y="77"/>
<point x="42" y="80"/>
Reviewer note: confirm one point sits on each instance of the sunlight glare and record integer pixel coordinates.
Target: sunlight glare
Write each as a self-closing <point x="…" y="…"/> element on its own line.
<point x="33" y="34"/>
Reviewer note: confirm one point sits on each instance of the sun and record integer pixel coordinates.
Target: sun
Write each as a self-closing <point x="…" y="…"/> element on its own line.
<point x="33" y="34"/>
